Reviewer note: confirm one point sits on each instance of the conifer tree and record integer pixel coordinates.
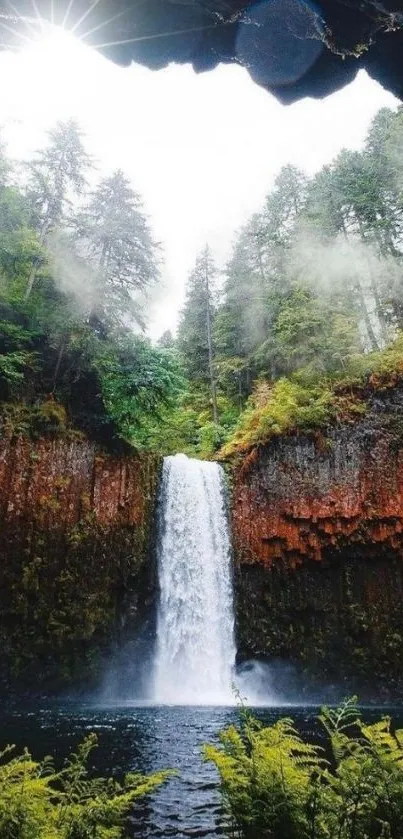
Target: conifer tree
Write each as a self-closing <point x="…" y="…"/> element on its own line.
<point x="56" y="178"/>
<point x="195" y="334"/>
<point x="114" y="235"/>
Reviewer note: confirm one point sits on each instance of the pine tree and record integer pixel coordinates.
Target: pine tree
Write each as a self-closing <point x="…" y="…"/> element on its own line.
<point x="195" y="333"/>
<point x="241" y="322"/>
<point x="166" y="341"/>
<point x="113" y="233"/>
<point x="282" y="207"/>
<point x="257" y="282"/>
<point x="56" y="178"/>
<point x="341" y="213"/>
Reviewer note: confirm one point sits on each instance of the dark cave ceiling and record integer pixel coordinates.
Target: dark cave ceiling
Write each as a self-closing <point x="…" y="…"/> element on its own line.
<point x="294" y="48"/>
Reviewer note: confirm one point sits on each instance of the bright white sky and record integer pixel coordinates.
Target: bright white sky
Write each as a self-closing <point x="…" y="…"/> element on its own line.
<point x="203" y="150"/>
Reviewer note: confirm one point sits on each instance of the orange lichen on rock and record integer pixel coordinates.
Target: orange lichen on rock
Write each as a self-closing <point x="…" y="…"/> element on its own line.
<point x="55" y="482"/>
<point x="298" y="501"/>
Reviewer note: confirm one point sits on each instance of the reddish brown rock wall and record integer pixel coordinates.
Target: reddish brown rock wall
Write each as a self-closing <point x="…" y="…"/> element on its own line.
<point x="298" y="502"/>
<point x="54" y="483"/>
<point x="318" y="536"/>
<point x="75" y="529"/>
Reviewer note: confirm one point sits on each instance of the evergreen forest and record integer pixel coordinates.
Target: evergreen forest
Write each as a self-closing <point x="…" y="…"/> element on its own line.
<point x="307" y="310"/>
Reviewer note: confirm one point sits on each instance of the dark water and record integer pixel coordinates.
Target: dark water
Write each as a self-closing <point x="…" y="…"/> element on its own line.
<point x="146" y="739"/>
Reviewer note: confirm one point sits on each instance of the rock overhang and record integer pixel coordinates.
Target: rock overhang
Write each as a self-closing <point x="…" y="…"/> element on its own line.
<point x="293" y="48"/>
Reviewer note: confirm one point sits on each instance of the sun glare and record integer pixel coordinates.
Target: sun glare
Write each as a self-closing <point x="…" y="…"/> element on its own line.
<point x="53" y="77"/>
<point x="56" y="45"/>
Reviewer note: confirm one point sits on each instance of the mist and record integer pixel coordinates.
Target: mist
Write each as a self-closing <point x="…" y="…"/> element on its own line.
<point x="335" y="268"/>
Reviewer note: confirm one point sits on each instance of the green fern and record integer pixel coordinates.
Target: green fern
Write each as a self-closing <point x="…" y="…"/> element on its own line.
<point x="275" y="785"/>
<point x="37" y="802"/>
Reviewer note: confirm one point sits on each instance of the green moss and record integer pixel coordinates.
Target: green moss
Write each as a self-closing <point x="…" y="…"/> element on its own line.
<point x="45" y="419"/>
<point x="285" y="407"/>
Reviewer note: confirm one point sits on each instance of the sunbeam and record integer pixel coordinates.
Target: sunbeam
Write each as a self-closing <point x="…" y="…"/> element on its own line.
<point x="15" y="33"/>
<point x="38" y="15"/>
<point x="67" y="14"/>
<point x="100" y="26"/>
<point x="49" y="27"/>
<point x="84" y="16"/>
<point x="158" y="35"/>
<point x="24" y="20"/>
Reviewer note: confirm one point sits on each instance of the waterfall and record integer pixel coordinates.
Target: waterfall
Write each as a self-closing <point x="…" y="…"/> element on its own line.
<point x="195" y="647"/>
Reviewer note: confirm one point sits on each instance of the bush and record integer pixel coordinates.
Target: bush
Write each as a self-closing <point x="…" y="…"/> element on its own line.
<point x="211" y="436"/>
<point x="276" y="786"/>
<point x="278" y="409"/>
<point x="36" y="802"/>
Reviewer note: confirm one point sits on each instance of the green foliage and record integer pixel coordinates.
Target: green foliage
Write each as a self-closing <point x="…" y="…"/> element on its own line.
<point x="113" y="235"/>
<point x="38" y="802"/>
<point x="68" y="273"/>
<point x="272" y="410"/>
<point x="56" y="175"/>
<point x="195" y="334"/>
<point x="312" y="303"/>
<point x="17" y="356"/>
<point x="140" y="385"/>
<point x="385" y="366"/>
<point x="211" y="436"/>
<point x="307" y="403"/>
<point x="311" y="298"/>
<point x="310" y="332"/>
<point x="276" y="785"/>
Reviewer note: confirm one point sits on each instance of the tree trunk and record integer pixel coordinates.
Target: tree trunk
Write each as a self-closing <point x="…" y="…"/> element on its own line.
<point x="367" y="320"/>
<point x="35" y="262"/>
<point x="31" y="279"/>
<point x="362" y="303"/>
<point x="210" y="349"/>
<point x="58" y="363"/>
<point x="374" y="287"/>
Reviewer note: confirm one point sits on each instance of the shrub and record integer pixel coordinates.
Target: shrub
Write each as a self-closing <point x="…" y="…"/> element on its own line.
<point x="284" y="407"/>
<point x="276" y="786"/>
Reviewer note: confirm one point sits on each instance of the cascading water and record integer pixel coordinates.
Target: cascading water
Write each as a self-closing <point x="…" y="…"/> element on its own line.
<point x="195" y="652"/>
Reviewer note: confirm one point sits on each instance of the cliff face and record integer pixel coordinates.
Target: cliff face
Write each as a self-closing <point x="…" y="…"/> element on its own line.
<point x="75" y="575"/>
<point x="318" y="534"/>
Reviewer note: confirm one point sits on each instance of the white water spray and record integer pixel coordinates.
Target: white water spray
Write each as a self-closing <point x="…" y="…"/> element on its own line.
<point x="195" y="655"/>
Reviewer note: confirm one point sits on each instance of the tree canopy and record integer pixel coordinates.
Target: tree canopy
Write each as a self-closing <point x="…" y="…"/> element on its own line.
<point x="74" y="263"/>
